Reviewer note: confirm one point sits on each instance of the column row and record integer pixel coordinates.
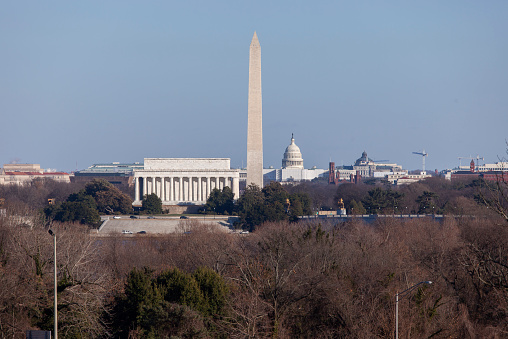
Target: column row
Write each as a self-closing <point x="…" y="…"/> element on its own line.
<point x="183" y="189"/>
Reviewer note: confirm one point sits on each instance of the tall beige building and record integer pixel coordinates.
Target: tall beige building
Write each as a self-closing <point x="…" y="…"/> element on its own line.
<point x="255" y="117"/>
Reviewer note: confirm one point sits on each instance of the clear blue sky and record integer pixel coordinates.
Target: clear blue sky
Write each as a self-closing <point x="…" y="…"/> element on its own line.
<point x="100" y="81"/>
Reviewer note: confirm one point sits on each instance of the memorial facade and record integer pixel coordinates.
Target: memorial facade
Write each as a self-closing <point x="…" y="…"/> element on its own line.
<point x="184" y="181"/>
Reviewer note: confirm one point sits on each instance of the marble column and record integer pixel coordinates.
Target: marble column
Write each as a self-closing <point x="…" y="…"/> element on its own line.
<point x="236" y="187"/>
<point x="163" y="189"/>
<point x="171" y="189"/>
<point x="136" y="188"/>
<point x="180" y="189"/>
<point x="200" y="182"/>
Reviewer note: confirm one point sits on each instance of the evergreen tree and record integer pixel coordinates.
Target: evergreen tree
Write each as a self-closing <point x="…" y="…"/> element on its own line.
<point x="78" y="207"/>
<point x="214" y="291"/>
<point x="356" y="208"/>
<point x="426" y="202"/>
<point x="152" y="204"/>
<point x="220" y="202"/>
<point x="276" y="201"/>
<point x="251" y="206"/>
<point x="109" y="199"/>
<point x="174" y="303"/>
<point x="380" y="200"/>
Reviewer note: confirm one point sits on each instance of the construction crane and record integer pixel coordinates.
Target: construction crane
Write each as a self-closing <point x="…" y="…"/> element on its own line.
<point x="460" y="160"/>
<point x="423" y="154"/>
<point x="478" y="158"/>
<point x="472" y="158"/>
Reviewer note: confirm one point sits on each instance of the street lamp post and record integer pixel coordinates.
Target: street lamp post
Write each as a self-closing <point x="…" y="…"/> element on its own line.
<point x="55" y="325"/>
<point x="402" y="295"/>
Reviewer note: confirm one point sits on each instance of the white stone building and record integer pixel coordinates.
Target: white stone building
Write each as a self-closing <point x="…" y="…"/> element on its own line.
<point x="184" y="181"/>
<point x="367" y="167"/>
<point x="19" y="174"/>
<point x="403" y="178"/>
<point x="290" y="175"/>
<point x="292" y="168"/>
<point x="498" y="166"/>
<point x="292" y="156"/>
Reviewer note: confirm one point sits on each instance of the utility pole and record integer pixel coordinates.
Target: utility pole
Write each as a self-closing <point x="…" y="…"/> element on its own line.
<point x="55" y="325"/>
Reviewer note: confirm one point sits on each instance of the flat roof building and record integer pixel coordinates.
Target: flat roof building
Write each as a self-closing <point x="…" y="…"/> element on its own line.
<point x="19" y="174"/>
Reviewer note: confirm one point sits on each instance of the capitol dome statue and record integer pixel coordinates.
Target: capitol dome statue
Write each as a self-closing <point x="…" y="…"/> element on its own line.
<point x="292" y="156"/>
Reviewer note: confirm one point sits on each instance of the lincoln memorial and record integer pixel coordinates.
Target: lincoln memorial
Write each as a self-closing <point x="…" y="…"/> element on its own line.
<point x="184" y="181"/>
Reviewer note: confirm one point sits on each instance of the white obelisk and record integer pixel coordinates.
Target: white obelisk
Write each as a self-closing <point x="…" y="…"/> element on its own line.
<point x="255" y="117"/>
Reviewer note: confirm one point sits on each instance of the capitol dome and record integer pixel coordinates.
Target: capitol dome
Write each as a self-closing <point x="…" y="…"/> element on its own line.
<point x="364" y="160"/>
<point x="292" y="156"/>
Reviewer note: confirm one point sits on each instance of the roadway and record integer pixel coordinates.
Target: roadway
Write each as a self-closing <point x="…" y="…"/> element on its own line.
<point x="160" y="225"/>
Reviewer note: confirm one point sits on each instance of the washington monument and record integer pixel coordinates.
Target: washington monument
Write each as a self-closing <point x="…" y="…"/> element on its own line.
<point x="255" y="117"/>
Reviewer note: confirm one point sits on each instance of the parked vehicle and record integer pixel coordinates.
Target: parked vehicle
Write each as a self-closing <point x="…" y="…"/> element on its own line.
<point x="126" y="232"/>
<point x="134" y="217"/>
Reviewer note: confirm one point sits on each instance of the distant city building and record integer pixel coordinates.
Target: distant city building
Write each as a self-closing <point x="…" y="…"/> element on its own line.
<point x="498" y="166"/>
<point x="292" y="170"/>
<point x="491" y="172"/>
<point x="403" y="178"/>
<point x="367" y="167"/>
<point x="340" y="174"/>
<point x="292" y="175"/>
<point x="23" y="168"/>
<point x="18" y="174"/>
<point x="364" y="167"/>
<point x="501" y="166"/>
<point x="115" y="172"/>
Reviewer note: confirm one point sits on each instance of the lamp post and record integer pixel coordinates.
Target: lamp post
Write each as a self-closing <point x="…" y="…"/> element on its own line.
<point x="55" y="326"/>
<point x="402" y="295"/>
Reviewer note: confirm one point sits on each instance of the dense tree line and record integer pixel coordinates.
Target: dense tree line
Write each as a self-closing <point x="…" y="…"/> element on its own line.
<point x="434" y="195"/>
<point x="256" y="206"/>
<point x="97" y="197"/>
<point x="431" y="196"/>
<point x="284" y="280"/>
<point x="35" y="194"/>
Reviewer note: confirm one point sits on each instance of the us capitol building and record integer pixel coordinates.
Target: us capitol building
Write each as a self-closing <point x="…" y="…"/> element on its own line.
<point x="292" y="169"/>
